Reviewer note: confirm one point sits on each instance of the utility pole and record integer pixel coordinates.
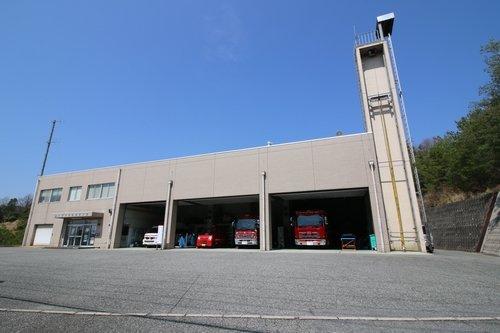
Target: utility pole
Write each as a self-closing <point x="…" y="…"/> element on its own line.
<point x="26" y="231"/>
<point x="48" y="146"/>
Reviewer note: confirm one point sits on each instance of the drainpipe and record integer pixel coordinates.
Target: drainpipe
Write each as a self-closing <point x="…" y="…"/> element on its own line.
<point x="28" y="224"/>
<point x="114" y="216"/>
<point x="262" y="217"/>
<point x="379" y="220"/>
<point x="167" y="214"/>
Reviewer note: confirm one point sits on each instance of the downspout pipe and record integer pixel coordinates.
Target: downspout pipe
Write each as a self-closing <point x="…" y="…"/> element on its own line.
<point x="263" y="218"/>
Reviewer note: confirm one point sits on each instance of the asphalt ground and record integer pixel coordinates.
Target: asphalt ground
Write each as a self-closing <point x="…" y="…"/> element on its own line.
<point x="247" y="290"/>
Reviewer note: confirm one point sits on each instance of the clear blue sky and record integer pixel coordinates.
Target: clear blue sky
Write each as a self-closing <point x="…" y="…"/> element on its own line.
<point x="134" y="81"/>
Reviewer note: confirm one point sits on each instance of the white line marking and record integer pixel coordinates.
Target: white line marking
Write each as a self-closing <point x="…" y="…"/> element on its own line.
<point x="278" y="317"/>
<point x="252" y="316"/>
<point x="317" y="318"/>
<point x="102" y="314"/>
<point x="397" y="318"/>
<point x="135" y="314"/>
<point x="167" y="315"/>
<point x="58" y="311"/>
<point x="457" y="318"/>
<point x="24" y="310"/>
<point x="84" y="313"/>
<point x="232" y="316"/>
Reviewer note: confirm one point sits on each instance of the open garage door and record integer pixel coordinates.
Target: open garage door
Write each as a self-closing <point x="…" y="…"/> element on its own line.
<point x="213" y="217"/>
<point x="322" y="219"/>
<point x="139" y="219"/>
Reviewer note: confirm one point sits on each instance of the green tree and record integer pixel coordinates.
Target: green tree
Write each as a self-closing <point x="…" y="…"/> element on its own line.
<point x="468" y="159"/>
<point x="477" y="163"/>
<point x="433" y="159"/>
<point x="491" y="53"/>
<point x="14" y="210"/>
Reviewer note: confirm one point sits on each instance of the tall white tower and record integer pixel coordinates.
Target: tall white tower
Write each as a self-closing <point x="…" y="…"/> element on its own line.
<point x="384" y="116"/>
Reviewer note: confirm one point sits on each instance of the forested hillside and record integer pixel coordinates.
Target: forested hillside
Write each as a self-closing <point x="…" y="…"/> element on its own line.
<point x="14" y="214"/>
<point x="466" y="161"/>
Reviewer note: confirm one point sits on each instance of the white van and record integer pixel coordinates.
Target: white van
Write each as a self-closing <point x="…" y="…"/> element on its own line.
<point x="153" y="237"/>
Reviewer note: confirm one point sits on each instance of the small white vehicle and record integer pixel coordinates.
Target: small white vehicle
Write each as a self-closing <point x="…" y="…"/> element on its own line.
<point x="153" y="237"/>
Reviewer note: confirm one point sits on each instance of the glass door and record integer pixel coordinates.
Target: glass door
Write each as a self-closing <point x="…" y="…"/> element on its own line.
<point x="80" y="233"/>
<point x="71" y="235"/>
<point x="86" y="235"/>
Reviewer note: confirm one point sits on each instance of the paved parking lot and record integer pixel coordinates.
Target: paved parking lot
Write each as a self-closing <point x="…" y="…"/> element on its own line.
<point x="205" y="290"/>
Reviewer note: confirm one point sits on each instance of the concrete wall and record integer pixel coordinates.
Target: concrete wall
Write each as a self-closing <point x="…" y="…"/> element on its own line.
<point x="491" y="242"/>
<point x="324" y="164"/>
<point x="43" y="213"/>
<point x="383" y="119"/>
<point x="459" y="225"/>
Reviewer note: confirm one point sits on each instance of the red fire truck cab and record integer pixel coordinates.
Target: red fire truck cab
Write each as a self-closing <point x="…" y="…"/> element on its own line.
<point x="310" y="228"/>
<point x="246" y="231"/>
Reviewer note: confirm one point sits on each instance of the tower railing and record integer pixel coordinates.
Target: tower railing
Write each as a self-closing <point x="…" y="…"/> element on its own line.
<point x="367" y="38"/>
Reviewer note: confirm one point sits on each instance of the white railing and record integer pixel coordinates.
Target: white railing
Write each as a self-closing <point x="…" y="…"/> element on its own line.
<point x="367" y="37"/>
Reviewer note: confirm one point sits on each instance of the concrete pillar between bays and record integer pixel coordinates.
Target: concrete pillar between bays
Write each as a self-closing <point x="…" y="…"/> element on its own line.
<point x="168" y="240"/>
<point x="264" y="216"/>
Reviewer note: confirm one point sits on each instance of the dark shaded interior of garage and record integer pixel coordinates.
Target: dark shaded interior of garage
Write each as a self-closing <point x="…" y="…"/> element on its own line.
<point x="213" y="215"/>
<point x="348" y="212"/>
<point x="139" y="218"/>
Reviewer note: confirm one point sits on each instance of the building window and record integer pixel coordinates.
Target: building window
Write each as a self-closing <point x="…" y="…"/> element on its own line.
<point x="101" y="191"/>
<point x="44" y="196"/>
<point x="75" y="193"/>
<point x="51" y="195"/>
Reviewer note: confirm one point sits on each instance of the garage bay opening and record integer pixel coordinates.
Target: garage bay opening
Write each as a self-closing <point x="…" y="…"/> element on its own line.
<point x="141" y="223"/>
<point x="218" y="222"/>
<point x="337" y="219"/>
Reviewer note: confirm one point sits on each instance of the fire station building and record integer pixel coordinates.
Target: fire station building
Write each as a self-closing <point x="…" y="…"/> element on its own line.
<point x="364" y="182"/>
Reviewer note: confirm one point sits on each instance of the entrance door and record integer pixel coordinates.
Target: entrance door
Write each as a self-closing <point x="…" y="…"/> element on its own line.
<point x="80" y="233"/>
<point x="71" y="235"/>
<point x="86" y="236"/>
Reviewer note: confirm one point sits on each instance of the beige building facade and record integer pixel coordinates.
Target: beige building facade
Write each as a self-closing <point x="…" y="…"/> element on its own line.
<point x="364" y="181"/>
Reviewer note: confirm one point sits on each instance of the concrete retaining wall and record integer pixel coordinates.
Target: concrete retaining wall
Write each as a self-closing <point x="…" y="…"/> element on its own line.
<point x="460" y="225"/>
<point x="491" y="243"/>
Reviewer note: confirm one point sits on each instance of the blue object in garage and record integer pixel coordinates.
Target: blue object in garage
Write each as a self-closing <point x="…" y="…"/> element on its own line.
<point x="373" y="242"/>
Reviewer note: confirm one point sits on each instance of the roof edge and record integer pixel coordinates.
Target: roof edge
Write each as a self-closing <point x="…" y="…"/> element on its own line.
<point x="204" y="154"/>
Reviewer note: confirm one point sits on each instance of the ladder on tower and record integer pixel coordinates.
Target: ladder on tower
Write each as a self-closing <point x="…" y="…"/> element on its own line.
<point x="409" y="142"/>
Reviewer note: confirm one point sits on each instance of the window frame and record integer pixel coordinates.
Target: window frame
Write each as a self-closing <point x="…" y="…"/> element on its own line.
<point x="100" y="188"/>
<point x="41" y="196"/>
<point x="79" y="190"/>
<point x="49" y="196"/>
